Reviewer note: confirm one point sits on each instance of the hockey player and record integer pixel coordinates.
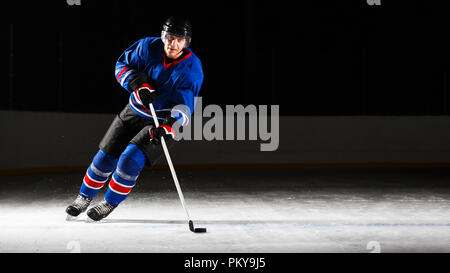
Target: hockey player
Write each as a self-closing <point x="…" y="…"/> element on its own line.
<point x="159" y="70"/>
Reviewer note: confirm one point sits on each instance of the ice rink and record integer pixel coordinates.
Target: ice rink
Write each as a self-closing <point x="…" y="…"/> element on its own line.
<point x="244" y="210"/>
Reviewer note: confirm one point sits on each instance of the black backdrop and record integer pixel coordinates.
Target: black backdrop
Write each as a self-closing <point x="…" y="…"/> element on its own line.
<point x="309" y="57"/>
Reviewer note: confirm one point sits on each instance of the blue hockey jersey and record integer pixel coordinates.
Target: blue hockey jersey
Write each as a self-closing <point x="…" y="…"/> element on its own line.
<point x="177" y="83"/>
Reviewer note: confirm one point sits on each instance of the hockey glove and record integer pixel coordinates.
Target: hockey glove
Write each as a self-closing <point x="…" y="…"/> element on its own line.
<point x="144" y="93"/>
<point x="165" y="130"/>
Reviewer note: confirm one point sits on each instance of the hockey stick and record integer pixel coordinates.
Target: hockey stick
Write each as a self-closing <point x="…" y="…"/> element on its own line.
<point x="174" y="175"/>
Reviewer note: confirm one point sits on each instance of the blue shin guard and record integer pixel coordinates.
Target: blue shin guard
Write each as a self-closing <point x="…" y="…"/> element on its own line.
<point x="130" y="164"/>
<point x="97" y="174"/>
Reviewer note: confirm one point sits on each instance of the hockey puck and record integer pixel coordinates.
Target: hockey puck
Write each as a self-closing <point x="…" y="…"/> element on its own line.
<point x="200" y="230"/>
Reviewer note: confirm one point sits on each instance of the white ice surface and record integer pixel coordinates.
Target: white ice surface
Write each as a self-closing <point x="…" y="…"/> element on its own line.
<point x="313" y="220"/>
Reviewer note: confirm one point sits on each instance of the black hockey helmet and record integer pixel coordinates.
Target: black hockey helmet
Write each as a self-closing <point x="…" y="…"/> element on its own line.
<point x="178" y="26"/>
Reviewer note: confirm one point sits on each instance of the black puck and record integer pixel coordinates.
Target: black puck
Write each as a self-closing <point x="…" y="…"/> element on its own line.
<point x="200" y="230"/>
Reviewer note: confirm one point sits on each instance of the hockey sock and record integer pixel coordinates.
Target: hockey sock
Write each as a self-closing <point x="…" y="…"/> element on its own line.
<point x="130" y="164"/>
<point x="97" y="174"/>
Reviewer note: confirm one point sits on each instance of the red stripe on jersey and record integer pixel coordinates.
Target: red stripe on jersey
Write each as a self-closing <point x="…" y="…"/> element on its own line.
<point x="91" y="183"/>
<point x="166" y="65"/>
<point x="120" y="74"/>
<point x="119" y="188"/>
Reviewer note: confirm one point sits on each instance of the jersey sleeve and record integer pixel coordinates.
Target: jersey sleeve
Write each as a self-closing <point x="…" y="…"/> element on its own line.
<point x="185" y="98"/>
<point x="130" y="62"/>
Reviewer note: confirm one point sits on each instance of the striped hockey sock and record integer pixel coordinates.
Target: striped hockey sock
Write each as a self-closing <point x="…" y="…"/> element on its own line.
<point x="124" y="178"/>
<point x="97" y="174"/>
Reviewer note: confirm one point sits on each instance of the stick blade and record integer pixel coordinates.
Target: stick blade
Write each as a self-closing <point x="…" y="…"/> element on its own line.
<point x="196" y="230"/>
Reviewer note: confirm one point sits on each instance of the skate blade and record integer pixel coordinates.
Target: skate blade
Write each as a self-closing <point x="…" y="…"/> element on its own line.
<point x="71" y="218"/>
<point x="92" y="221"/>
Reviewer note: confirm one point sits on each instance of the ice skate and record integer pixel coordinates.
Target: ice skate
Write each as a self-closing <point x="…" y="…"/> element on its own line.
<point x="77" y="207"/>
<point x="100" y="211"/>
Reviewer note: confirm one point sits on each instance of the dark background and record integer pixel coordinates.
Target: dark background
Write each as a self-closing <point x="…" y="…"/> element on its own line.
<point x="309" y="57"/>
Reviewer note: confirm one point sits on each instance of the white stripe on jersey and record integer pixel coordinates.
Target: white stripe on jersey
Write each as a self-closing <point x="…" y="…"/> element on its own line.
<point x="135" y="108"/>
<point x="124" y="77"/>
<point x="185" y="117"/>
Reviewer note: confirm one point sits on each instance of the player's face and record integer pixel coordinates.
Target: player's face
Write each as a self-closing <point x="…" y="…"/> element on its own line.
<point x="173" y="46"/>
